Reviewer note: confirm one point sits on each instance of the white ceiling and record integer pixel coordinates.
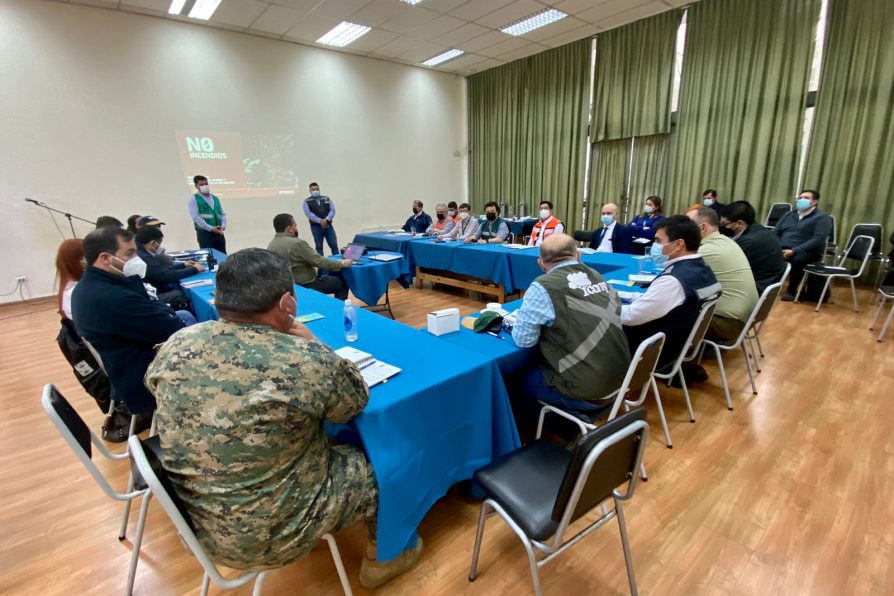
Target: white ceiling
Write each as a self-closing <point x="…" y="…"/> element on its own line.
<point x="409" y="34"/>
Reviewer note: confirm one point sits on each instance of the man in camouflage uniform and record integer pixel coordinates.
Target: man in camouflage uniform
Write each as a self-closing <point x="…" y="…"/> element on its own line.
<point x="241" y="406"/>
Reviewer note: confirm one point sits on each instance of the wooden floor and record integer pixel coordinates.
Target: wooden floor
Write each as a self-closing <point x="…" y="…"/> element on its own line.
<point x="791" y="493"/>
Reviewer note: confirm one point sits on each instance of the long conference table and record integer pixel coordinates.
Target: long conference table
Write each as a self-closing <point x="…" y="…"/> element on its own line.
<point x="447" y="413"/>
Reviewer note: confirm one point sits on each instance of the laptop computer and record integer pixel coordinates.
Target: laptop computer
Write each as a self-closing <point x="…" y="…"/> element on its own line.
<point x="354" y="251"/>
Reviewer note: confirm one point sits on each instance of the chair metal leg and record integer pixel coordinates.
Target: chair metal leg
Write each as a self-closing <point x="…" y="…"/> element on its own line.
<point x="122" y="530"/>
<point x="137" y="543"/>
<point x="884" y="330"/>
<point x="686" y="395"/>
<point x="339" y="565"/>
<point x="757" y="338"/>
<point x="206" y="581"/>
<point x="628" y="557"/>
<point x="259" y="582"/>
<point x="757" y="361"/>
<point x="729" y="401"/>
<point x="854" y="294"/>
<point x="748" y="366"/>
<point x="667" y="435"/>
<point x="642" y="472"/>
<point x="826" y="287"/>
<point x="801" y="285"/>
<point x="878" y="311"/>
<point x="479" y="534"/>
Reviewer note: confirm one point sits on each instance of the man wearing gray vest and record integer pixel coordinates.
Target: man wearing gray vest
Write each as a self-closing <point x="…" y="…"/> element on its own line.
<point x="575" y="318"/>
<point x="208" y="216"/>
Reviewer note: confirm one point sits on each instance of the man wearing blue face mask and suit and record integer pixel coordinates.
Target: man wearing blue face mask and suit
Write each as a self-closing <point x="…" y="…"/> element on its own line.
<point x="613" y="236"/>
<point x="673" y="300"/>
<point x="803" y="234"/>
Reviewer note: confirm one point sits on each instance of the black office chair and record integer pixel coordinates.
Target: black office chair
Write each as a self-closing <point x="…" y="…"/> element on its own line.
<point x="541" y="489"/>
<point x="777" y="210"/>
<point x="859" y="250"/>
<point x="583" y="236"/>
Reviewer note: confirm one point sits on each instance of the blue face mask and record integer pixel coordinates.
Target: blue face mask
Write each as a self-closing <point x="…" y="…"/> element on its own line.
<point x="802" y="204"/>
<point x="657" y="256"/>
<point x="607" y="220"/>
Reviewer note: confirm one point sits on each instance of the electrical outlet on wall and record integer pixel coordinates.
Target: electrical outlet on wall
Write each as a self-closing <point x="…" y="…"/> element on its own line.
<point x="22" y="278"/>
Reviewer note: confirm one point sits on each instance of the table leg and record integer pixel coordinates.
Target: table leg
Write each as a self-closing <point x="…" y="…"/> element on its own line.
<point x="418" y="277"/>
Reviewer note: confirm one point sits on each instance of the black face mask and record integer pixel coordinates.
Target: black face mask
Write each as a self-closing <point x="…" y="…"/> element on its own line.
<point x="727" y="232"/>
<point x="491" y="216"/>
<point x="441" y="216"/>
<point x="415" y="211"/>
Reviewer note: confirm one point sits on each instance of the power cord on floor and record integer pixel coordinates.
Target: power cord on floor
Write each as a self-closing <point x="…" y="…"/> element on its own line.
<point x="20" y="288"/>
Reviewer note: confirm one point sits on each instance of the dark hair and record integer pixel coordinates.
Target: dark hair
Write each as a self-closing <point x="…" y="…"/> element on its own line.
<point x="656" y="200"/>
<point x="198" y="178"/>
<point x="132" y="223"/>
<point x="104" y="239"/>
<point x="680" y="227"/>
<point x="418" y="202"/>
<point x="313" y="184"/>
<point x="465" y="206"/>
<point x="739" y="211"/>
<point x="706" y="215"/>
<point x="492" y="204"/>
<point x="547" y="203"/>
<point x="251" y="281"/>
<point x="104" y="221"/>
<point x="710" y="191"/>
<point x="815" y="193"/>
<point x="451" y="204"/>
<point x="282" y="221"/>
<point x="148" y="234"/>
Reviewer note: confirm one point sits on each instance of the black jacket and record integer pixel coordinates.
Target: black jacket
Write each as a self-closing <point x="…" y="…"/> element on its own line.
<point x="621" y="238"/>
<point x="117" y="317"/>
<point x="764" y="253"/>
<point x="806" y="237"/>
<point x="162" y="276"/>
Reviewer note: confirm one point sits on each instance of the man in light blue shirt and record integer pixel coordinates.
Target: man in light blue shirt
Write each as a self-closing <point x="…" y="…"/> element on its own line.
<point x="320" y="210"/>
<point x="574" y="317"/>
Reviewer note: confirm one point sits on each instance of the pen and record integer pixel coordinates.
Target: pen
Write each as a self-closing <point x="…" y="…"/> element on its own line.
<point x="497" y="335"/>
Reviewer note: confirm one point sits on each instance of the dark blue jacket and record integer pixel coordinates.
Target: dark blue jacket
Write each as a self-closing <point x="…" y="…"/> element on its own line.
<point x="806" y="236"/>
<point x="120" y="320"/>
<point x="163" y="277"/>
<point x="620" y="239"/>
<point x="643" y="226"/>
<point x="418" y="223"/>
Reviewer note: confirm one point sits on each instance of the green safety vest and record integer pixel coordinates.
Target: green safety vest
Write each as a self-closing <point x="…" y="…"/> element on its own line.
<point x="212" y="216"/>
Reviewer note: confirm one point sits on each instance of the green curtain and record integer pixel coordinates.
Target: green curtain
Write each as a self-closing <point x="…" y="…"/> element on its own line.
<point x="851" y="155"/>
<point x="649" y="170"/>
<point x="634" y="78"/>
<point x="528" y="131"/>
<point x="608" y="181"/>
<point x="742" y="101"/>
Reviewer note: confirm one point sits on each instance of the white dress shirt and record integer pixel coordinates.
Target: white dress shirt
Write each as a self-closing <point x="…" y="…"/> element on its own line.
<point x="664" y="294"/>
<point x="605" y="245"/>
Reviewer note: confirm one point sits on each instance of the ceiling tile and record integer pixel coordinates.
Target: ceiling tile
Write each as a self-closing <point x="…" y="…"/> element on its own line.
<point x="409" y="18"/>
<point x="443" y="6"/>
<point x="575" y="6"/>
<point x="340" y="9"/>
<point x="423" y="51"/>
<point x="508" y="45"/>
<point x="147" y="6"/>
<point x="238" y="13"/>
<point x="464" y="33"/>
<point x="485" y="64"/>
<point x="482" y="41"/>
<point x="102" y="3"/>
<point x="553" y="29"/>
<point x="373" y="40"/>
<point x="474" y="9"/>
<point x="462" y="62"/>
<point x="438" y="26"/>
<point x="569" y="36"/>
<point x="378" y="11"/>
<point x="311" y="28"/>
<point x="303" y="5"/>
<point x="608" y="8"/>
<point x="528" y="50"/>
<point x="634" y="14"/>
<point x="519" y="9"/>
<point x="277" y="19"/>
<point x="398" y="46"/>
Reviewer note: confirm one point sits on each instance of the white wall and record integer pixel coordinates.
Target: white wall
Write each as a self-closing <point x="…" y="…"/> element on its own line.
<point x="90" y="99"/>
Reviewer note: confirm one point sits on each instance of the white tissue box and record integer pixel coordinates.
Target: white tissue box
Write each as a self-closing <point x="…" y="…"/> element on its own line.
<point x="443" y="321"/>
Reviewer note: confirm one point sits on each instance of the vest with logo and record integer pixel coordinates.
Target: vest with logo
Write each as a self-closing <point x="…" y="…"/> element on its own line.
<point x="319" y="206"/>
<point x="213" y="216"/>
<point x="489" y="229"/>
<point x="699" y="285"/>
<point x="546" y="230"/>
<point x="585" y="349"/>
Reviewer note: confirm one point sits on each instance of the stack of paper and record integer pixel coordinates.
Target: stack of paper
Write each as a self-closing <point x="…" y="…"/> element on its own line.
<point x="373" y="371"/>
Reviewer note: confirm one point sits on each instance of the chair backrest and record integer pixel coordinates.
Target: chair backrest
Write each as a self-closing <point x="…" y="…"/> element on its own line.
<point x="605" y="459"/>
<point x="859" y="249"/>
<point x="67" y="420"/>
<point x="833" y="232"/>
<point x="873" y="230"/>
<point x="505" y="211"/>
<point x="766" y="302"/>
<point x="639" y="373"/>
<point x="777" y="210"/>
<point x="699" y="329"/>
<point x="522" y="210"/>
<point x="583" y="235"/>
<point x="95" y="354"/>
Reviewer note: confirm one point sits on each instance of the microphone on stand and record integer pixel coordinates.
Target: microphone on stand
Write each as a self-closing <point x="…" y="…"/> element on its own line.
<point x="32" y="201"/>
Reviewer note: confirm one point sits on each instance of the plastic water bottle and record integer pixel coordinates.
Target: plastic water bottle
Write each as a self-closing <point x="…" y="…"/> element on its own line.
<point x="350" y="321"/>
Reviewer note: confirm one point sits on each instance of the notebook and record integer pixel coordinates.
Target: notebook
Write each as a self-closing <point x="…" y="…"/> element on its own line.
<point x="373" y="371"/>
<point x="385" y="258"/>
<point x="198" y="283"/>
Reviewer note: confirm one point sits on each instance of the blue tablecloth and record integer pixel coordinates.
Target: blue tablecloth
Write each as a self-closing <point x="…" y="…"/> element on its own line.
<point x="518" y="227"/>
<point x="444" y="416"/>
<point x="399" y="243"/>
<point x="524" y="267"/>
<point x="484" y="261"/>
<point x="368" y="278"/>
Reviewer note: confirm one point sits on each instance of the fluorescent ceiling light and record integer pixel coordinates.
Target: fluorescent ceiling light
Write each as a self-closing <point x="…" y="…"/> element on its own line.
<point x="176" y="6"/>
<point x="448" y="55"/>
<point x="535" y="21"/>
<point x="411" y="1"/>
<point x="343" y="34"/>
<point x="203" y="9"/>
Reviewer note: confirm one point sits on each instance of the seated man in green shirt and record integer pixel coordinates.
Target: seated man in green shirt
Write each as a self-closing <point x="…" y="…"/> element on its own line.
<point x="241" y="407"/>
<point x="305" y="261"/>
<point x="732" y="269"/>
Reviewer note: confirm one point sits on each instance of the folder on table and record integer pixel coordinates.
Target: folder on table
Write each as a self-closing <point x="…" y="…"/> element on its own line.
<point x="373" y="371"/>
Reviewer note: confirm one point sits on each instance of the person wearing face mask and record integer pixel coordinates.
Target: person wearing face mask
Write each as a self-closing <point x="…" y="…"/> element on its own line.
<point x="320" y="211"/>
<point x="453" y="212"/>
<point x="112" y="311"/>
<point x="803" y="234"/>
<point x="271" y="385"/>
<point x="207" y="216"/>
<point x="709" y="199"/>
<point x="546" y="225"/>
<point x="164" y="278"/>
<point x="612" y="236"/>
<point x="442" y="223"/>
<point x="672" y="302"/>
<point x="150" y="220"/>
<point x="420" y="221"/>
<point x="731" y="267"/>
<point x="467" y="226"/>
<point x="494" y="230"/>
<point x="760" y="245"/>
<point x="643" y="225"/>
<point x="304" y="261"/>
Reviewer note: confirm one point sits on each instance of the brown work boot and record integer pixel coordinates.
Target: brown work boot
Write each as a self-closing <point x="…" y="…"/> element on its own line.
<point x="376" y="573"/>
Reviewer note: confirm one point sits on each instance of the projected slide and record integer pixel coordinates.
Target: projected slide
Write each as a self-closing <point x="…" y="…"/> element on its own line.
<point x="240" y="166"/>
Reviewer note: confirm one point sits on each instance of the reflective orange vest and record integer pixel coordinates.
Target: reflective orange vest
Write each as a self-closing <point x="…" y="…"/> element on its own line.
<point x="551" y="224"/>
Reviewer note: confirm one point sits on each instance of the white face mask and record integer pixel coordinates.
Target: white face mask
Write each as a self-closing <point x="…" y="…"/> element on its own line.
<point x="464" y="214"/>
<point x="708" y="202"/>
<point x="135" y="266"/>
<point x="544" y="213"/>
<point x="204" y="189"/>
